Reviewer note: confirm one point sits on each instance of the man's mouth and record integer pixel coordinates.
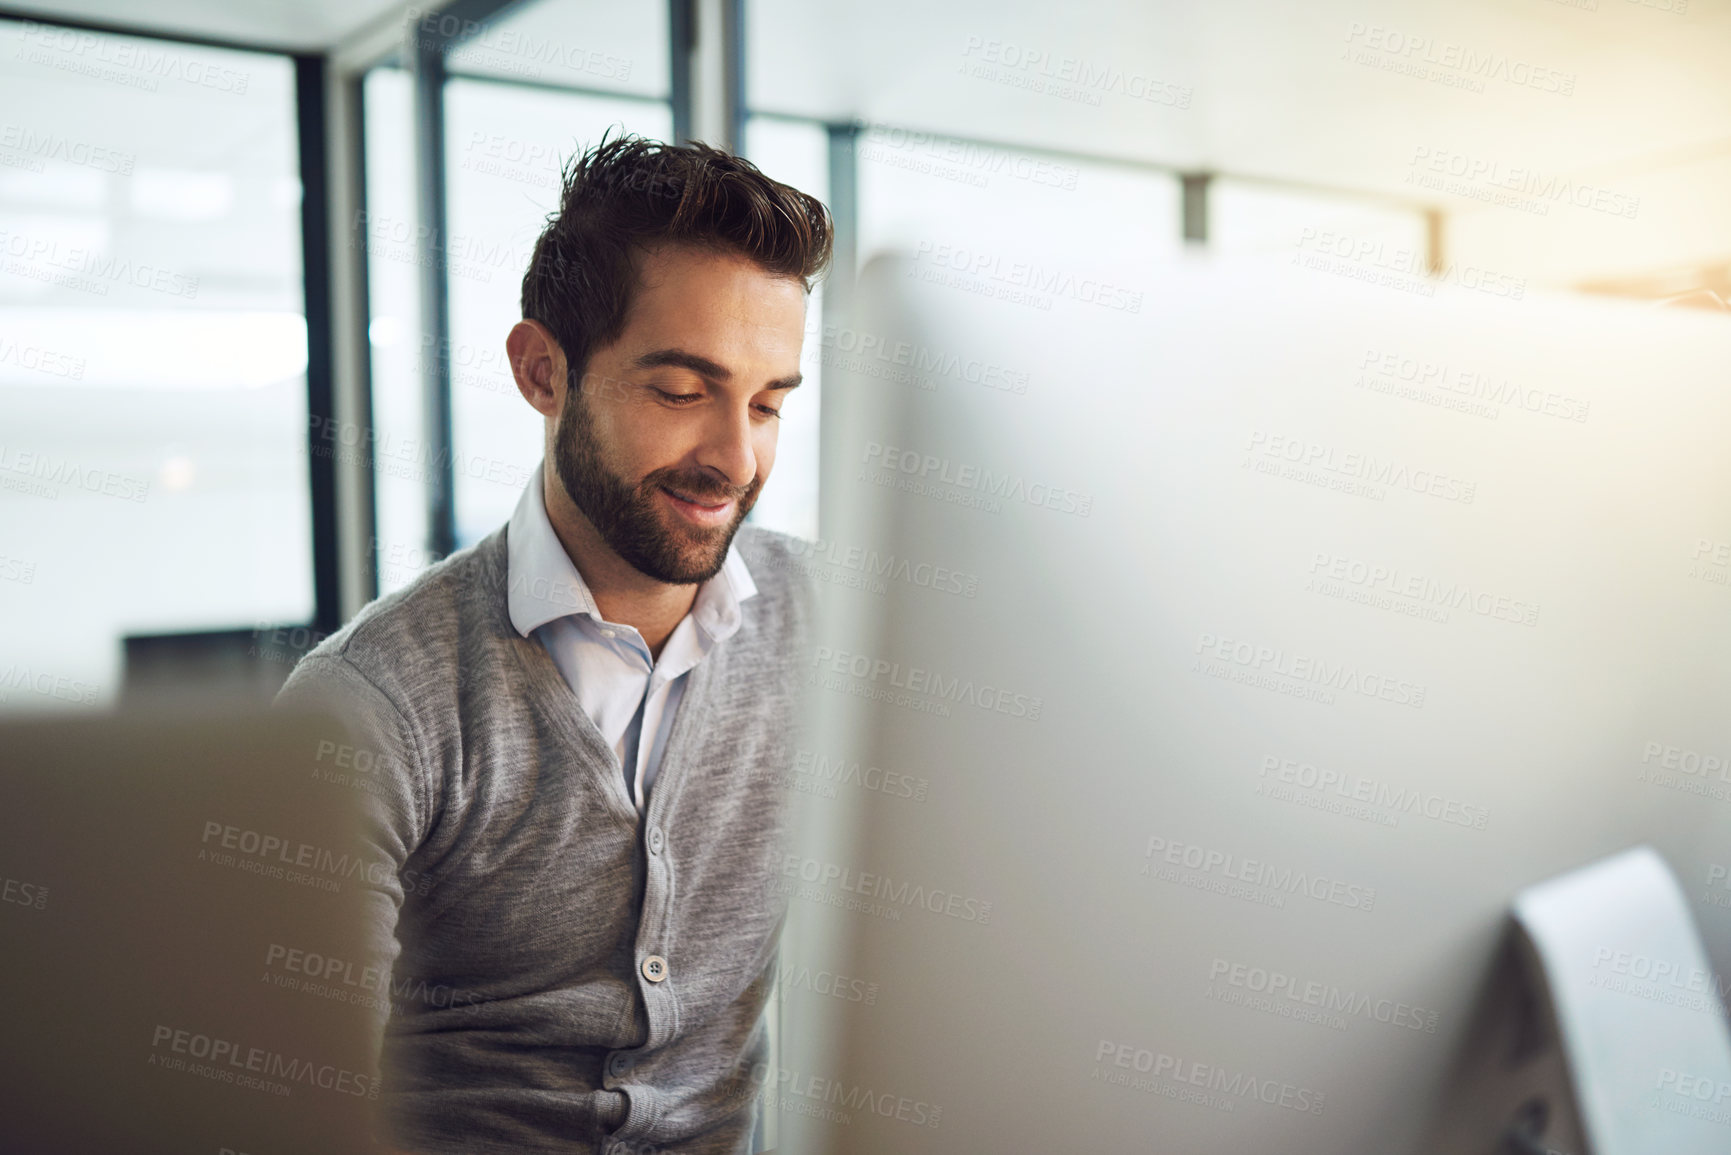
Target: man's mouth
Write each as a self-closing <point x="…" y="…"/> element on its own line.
<point x="701" y="502"/>
<point x="702" y="512"/>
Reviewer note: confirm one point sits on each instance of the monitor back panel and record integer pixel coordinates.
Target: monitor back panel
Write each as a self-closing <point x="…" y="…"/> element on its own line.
<point x="1198" y="683"/>
<point x="183" y="937"/>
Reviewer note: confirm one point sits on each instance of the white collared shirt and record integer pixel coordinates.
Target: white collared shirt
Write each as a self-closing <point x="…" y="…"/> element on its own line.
<point x="625" y="691"/>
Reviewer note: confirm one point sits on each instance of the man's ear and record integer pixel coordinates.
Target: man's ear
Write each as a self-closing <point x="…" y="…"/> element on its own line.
<point x="538" y="364"/>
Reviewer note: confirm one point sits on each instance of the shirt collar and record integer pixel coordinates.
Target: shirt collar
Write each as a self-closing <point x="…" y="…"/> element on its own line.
<point x="544" y="585"/>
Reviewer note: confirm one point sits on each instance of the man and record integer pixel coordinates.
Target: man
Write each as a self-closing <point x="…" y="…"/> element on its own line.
<point x="584" y="717"/>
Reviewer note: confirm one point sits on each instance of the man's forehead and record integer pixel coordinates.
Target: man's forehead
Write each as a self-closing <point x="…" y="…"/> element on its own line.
<point x="665" y="264"/>
<point x="721" y="300"/>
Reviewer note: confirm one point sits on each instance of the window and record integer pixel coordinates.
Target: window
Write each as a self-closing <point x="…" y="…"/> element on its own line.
<point x="795" y="153"/>
<point x="395" y="332"/>
<point x="153" y="352"/>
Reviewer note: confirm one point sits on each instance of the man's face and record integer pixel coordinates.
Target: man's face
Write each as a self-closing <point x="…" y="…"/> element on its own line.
<point x="670" y="434"/>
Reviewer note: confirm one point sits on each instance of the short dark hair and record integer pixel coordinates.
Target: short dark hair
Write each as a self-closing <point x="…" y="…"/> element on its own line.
<point x="627" y="194"/>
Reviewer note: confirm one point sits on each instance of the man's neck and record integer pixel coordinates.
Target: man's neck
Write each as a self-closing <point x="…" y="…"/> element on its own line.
<point x="623" y="594"/>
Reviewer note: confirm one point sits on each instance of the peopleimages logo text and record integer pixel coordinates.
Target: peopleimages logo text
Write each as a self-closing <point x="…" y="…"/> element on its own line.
<point x="886" y="889"/>
<point x="1357" y="788"/>
<point x="276" y="851"/>
<point x="1072" y="76"/>
<point x="1469" y="63"/>
<point x="1257" y="872"/>
<point x="1452" y="595"/>
<point x="1327" y="997"/>
<point x="919" y="680"/>
<point x="229" y="1060"/>
<point x="1027" y="275"/>
<point x="1238" y="1085"/>
<point x="1523" y="181"/>
<point x="1279" y="663"/>
<point x="1360" y="467"/>
<point x="930" y="469"/>
<point x="866" y="560"/>
<point x="112" y="58"/>
<point x="1472" y="384"/>
<point x="53" y="146"/>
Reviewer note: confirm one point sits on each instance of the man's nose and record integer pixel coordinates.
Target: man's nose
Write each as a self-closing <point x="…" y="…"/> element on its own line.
<point x="727" y="445"/>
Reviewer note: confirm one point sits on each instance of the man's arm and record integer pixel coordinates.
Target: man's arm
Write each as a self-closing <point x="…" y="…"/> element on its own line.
<point x="387" y="775"/>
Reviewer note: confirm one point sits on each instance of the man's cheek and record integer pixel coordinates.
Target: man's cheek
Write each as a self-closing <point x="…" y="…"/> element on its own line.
<point x="612" y="391"/>
<point x="603" y="389"/>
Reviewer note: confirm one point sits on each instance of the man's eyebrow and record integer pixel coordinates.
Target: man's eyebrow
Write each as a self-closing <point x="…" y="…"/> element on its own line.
<point x="704" y="367"/>
<point x="680" y="359"/>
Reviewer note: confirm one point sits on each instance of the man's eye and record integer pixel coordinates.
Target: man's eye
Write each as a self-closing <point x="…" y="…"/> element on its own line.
<point x="678" y="397"/>
<point x="769" y="411"/>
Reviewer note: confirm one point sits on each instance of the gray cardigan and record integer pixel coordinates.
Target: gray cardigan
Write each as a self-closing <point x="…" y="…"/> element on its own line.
<point x="529" y="898"/>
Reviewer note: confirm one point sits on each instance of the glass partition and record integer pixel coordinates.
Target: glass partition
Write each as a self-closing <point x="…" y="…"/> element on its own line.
<point x="153" y="352"/>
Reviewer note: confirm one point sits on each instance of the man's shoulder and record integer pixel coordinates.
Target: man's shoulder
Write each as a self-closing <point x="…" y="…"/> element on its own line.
<point x="418" y="632"/>
<point x="770" y="555"/>
<point x="785" y="591"/>
<point x="760" y="545"/>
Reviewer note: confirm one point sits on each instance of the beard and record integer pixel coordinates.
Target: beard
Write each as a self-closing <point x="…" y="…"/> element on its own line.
<point x="633" y="519"/>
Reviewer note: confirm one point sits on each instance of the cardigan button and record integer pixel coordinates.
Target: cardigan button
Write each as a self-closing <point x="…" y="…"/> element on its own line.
<point x="656" y="840"/>
<point x="654" y="968"/>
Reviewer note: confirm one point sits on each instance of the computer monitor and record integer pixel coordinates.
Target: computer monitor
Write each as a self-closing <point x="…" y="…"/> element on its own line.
<point x="1211" y="654"/>
<point x="184" y="940"/>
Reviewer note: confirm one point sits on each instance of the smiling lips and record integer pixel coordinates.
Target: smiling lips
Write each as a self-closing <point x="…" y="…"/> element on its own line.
<point x="698" y="512"/>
